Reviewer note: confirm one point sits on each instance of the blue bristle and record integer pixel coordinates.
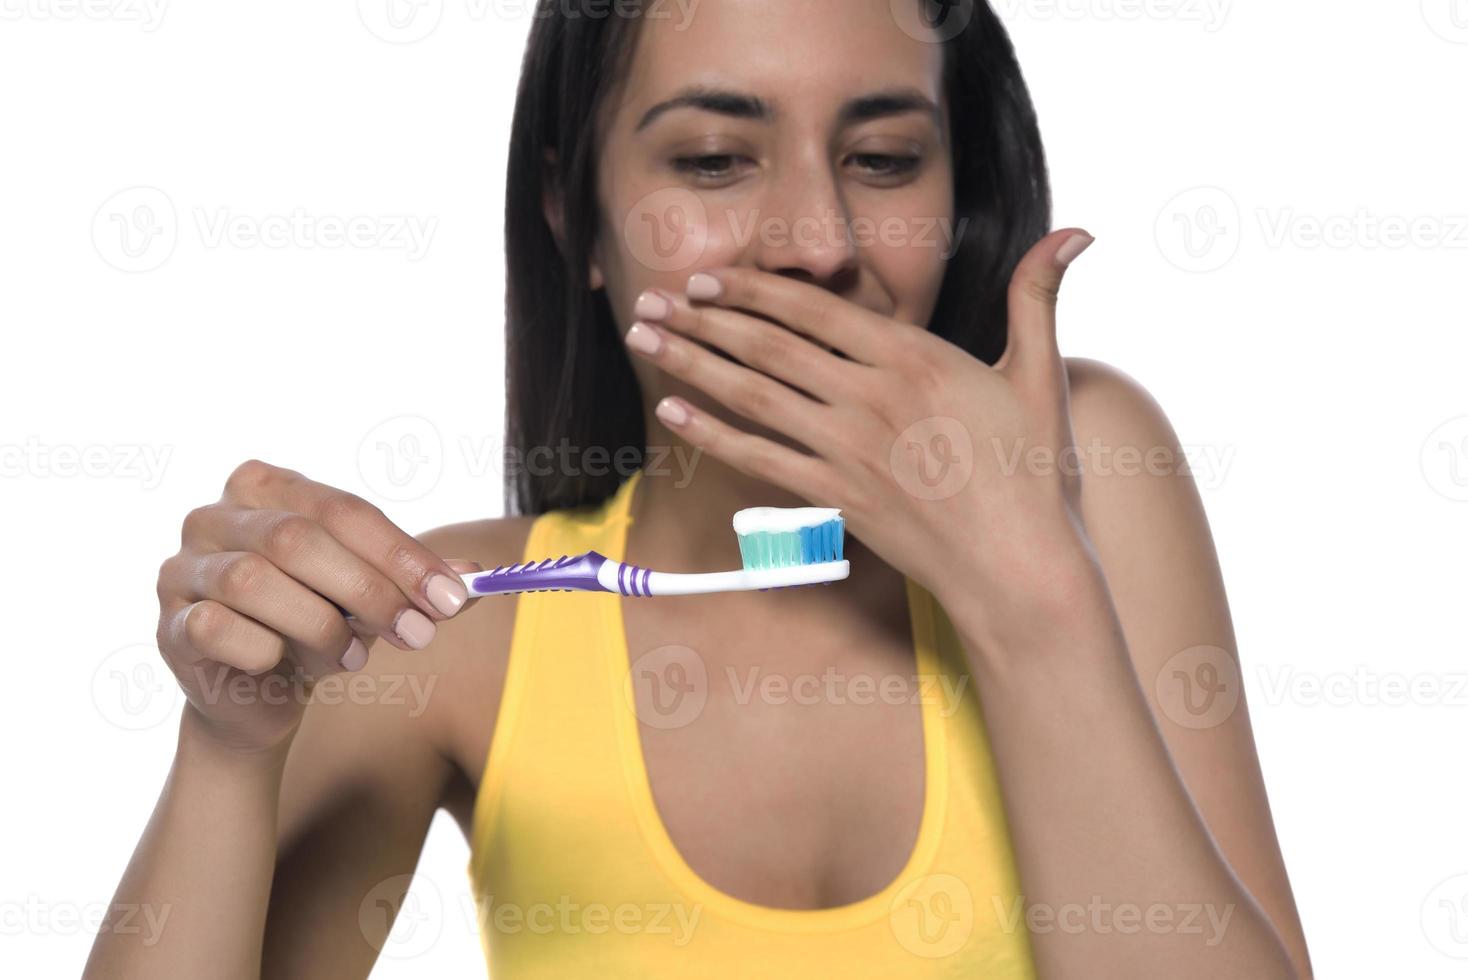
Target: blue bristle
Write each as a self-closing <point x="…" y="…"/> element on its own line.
<point x="822" y="542"/>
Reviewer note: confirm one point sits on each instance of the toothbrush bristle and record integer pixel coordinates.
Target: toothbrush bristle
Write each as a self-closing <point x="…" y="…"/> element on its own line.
<point x="811" y="545"/>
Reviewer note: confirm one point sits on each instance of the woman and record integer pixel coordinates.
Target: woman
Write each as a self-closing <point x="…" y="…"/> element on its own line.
<point x="801" y="250"/>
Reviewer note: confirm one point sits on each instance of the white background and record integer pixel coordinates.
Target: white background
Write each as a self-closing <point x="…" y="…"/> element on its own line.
<point x="1320" y="383"/>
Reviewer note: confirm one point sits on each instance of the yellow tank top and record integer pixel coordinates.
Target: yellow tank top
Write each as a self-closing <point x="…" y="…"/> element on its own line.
<point x="574" y="873"/>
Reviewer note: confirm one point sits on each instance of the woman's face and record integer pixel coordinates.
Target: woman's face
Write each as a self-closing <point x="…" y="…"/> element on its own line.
<point x="806" y="139"/>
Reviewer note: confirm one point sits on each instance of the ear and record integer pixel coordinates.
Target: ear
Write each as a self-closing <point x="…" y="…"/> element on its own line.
<point x="553" y="205"/>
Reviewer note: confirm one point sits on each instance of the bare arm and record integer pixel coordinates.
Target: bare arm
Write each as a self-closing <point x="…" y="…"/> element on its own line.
<point x="277" y="820"/>
<point x="1123" y="805"/>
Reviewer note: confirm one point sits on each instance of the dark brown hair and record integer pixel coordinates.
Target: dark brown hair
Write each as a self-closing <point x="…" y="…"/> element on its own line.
<point x="569" y="379"/>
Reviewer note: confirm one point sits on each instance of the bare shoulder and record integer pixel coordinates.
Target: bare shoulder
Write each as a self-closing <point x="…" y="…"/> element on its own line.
<point x="1103" y="395"/>
<point x="1143" y="513"/>
<point x="1134" y="468"/>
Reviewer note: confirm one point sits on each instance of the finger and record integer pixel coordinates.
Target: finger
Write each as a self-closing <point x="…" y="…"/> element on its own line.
<point x="251" y="585"/>
<point x="754" y="396"/>
<point x="193" y="632"/>
<point x="319" y="560"/>
<point x="463" y="566"/>
<point x="769" y="348"/>
<point x="1032" y="350"/>
<point x="749" y="454"/>
<point x="817" y="313"/>
<point x="419" y="574"/>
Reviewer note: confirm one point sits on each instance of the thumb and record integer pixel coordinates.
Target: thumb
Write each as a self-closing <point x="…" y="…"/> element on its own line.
<point x="1033" y="291"/>
<point x="463" y="567"/>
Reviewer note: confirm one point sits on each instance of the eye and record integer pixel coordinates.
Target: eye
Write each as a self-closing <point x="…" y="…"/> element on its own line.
<point x="885" y="165"/>
<point x="710" y="166"/>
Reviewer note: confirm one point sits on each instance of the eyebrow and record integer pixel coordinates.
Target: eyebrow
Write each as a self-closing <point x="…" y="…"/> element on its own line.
<point x="740" y="105"/>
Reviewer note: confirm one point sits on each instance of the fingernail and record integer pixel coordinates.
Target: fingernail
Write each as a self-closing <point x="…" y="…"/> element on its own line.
<point x="672" y="412"/>
<point x="1073" y="247"/>
<point x="652" y="306"/>
<point x="703" y="286"/>
<point x="644" y="339"/>
<point x="414" y="629"/>
<point x="446" y="594"/>
<point x="356" y="656"/>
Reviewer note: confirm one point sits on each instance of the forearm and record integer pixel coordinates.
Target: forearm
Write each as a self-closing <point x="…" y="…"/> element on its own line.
<point x="193" y="900"/>
<point x="1119" y="873"/>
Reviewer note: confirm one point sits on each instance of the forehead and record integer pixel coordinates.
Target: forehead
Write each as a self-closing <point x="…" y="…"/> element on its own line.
<point x="796" y="54"/>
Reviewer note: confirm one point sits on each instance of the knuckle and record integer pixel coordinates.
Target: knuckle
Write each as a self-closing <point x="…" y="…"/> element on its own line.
<point x="920" y="374"/>
<point x="241" y="574"/>
<point x="256" y="658"/>
<point x="761" y="464"/>
<point x="342" y="510"/>
<point x="770" y="347"/>
<point x="1040" y="290"/>
<point x="931" y="377"/>
<point x="736" y="286"/>
<point x="696" y="324"/>
<point x="166" y="571"/>
<point x="204" y="624"/>
<point x="196" y="520"/>
<point x="327" y="633"/>
<point x="404" y="557"/>
<point x="287" y="535"/>
<point x="367" y="593"/>
<point x="819" y="318"/>
<point x="250" y="475"/>
<point x="753" y="399"/>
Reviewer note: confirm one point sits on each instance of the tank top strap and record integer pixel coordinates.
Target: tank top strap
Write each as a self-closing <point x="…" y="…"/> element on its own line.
<point x="600" y="527"/>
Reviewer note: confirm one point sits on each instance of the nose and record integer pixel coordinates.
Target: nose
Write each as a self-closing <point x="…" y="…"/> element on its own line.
<point x="804" y="229"/>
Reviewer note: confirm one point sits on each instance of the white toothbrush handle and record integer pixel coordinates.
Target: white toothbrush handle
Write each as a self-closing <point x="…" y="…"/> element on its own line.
<point x="745" y="580"/>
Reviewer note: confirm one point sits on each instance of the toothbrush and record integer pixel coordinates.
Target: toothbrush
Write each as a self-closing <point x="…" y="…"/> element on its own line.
<point x="780" y="546"/>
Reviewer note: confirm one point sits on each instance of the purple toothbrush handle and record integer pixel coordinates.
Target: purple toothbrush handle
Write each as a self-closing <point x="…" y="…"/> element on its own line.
<point x="569" y="573"/>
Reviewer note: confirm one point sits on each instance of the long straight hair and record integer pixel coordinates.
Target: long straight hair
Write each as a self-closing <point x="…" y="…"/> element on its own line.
<point x="569" y="379"/>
